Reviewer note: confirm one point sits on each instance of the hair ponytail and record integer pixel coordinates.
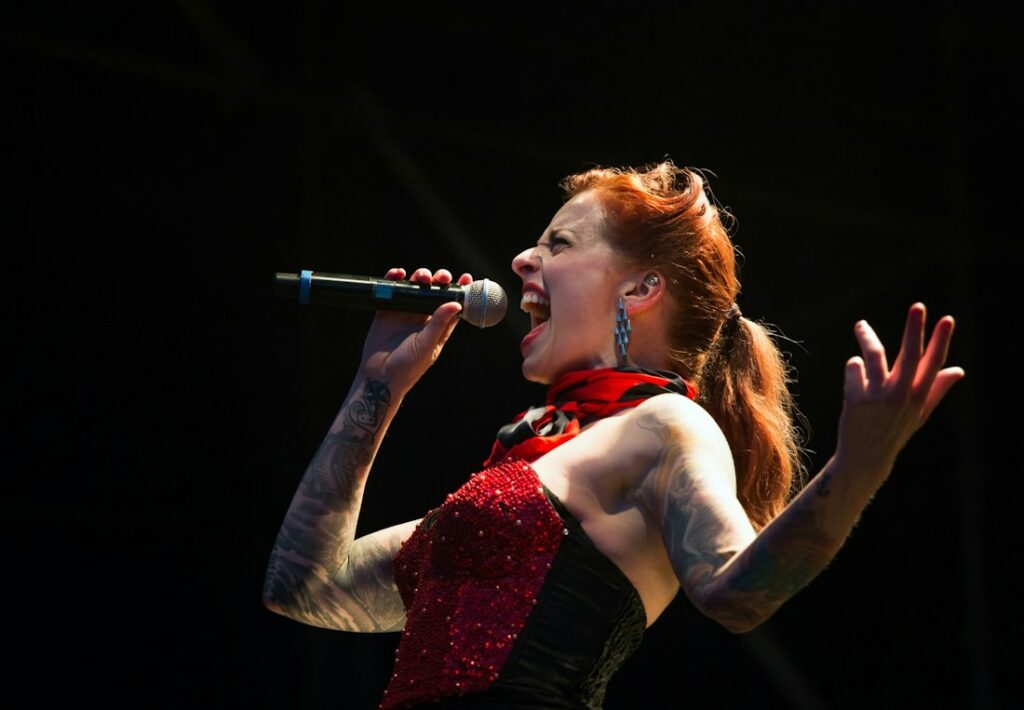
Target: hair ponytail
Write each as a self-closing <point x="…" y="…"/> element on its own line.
<point x="744" y="387"/>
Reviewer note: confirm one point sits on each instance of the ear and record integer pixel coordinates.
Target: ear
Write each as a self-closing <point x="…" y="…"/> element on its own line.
<point x="643" y="291"/>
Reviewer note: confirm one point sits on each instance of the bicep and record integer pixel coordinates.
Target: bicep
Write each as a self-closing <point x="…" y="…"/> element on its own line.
<point x="369" y="576"/>
<point x="703" y="526"/>
<point x="362" y="596"/>
<point x="692" y="490"/>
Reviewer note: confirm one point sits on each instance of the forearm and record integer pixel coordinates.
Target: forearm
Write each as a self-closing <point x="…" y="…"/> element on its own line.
<point x="312" y="548"/>
<point x="794" y="548"/>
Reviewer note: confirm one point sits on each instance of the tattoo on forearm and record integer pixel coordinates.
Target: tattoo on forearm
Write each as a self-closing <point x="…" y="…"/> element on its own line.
<point x="822" y="486"/>
<point x="345" y="452"/>
<point x="313" y="546"/>
<point x="781" y="561"/>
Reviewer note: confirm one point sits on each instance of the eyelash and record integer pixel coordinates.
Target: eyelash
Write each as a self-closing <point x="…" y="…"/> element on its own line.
<point x="555" y="241"/>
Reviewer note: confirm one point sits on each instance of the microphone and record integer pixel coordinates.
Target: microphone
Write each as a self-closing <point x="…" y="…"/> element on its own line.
<point x="484" y="302"/>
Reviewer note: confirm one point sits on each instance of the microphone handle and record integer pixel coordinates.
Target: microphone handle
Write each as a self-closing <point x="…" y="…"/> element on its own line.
<point x="351" y="291"/>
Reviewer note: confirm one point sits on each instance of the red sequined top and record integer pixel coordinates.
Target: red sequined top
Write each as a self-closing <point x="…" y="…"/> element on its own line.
<point x="506" y="596"/>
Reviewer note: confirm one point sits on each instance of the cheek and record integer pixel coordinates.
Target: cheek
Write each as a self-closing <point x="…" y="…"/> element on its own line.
<point x="583" y="323"/>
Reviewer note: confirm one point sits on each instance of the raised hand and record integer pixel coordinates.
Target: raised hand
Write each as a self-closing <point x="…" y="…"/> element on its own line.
<point x="400" y="347"/>
<point x="883" y="407"/>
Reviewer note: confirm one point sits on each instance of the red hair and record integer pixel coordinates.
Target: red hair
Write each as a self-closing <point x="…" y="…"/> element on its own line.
<point x="664" y="217"/>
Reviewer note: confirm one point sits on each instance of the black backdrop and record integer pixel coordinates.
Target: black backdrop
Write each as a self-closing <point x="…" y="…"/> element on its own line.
<point x="162" y="161"/>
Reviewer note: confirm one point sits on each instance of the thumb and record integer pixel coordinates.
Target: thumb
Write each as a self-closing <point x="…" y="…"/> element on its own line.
<point x="442" y="323"/>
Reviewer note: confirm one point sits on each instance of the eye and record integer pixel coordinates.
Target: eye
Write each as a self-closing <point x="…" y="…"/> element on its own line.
<point x="556" y="244"/>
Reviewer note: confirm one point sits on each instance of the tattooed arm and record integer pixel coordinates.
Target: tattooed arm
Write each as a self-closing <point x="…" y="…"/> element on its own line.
<point x="731" y="574"/>
<point x="318" y="573"/>
<point x="740" y="579"/>
<point x="792" y="549"/>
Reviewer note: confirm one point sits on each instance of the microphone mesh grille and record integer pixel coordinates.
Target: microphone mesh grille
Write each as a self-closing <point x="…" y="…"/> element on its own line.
<point x="485" y="303"/>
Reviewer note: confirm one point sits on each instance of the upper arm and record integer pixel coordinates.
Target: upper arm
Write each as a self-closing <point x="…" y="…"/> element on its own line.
<point x="691" y="491"/>
<point x="362" y="596"/>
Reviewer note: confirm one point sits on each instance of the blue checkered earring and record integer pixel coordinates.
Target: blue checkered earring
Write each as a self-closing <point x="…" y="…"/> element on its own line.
<point x="622" y="332"/>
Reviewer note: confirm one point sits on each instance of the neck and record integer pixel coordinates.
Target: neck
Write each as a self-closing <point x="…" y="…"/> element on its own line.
<point x="649" y="346"/>
<point x="650" y="358"/>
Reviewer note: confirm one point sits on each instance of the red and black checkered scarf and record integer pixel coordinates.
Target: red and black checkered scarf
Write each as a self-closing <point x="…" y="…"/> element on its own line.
<point x="576" y="399"/>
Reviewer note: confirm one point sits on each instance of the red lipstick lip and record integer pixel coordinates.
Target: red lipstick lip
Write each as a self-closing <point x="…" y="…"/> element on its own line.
<point x="532" y="335"/>
<point x="534" y="288"/>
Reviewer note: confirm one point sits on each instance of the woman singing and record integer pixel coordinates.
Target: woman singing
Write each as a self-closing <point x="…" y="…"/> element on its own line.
<point x="665" y="456"/>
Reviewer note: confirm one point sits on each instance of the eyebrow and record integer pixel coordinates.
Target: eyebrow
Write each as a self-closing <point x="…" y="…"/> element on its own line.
<point x="558" y="230"/>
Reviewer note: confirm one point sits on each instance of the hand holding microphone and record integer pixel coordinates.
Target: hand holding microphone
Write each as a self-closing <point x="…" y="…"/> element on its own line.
<point x="484" y="303"/>
<point x="399" y="349"/>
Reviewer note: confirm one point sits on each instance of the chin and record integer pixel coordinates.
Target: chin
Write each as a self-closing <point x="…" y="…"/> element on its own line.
<point x="532" y="375"/>
<point x="547" y="372"/>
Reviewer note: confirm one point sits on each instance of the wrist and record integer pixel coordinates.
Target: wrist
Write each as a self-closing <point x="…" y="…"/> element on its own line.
<point x="370" y="378"/>
<point x="862" y="469"/>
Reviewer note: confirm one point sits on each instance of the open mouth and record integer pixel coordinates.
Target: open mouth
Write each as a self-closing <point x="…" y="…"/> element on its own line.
<point x="538" y="306"/>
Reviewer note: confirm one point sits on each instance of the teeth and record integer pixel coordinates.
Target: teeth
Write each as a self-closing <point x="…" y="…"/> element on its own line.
<point x="536" y="305"/>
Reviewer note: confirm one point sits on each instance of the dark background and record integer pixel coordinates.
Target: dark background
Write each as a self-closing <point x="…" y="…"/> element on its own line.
<point x="163" y="160"/>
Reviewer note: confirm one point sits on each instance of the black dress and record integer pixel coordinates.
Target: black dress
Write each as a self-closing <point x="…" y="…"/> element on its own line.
<point x="585" y="619"/>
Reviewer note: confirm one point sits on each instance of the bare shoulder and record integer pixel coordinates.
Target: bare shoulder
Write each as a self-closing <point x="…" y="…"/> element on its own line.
<point x="690" y="445"/>
<point x="671" y="408"/>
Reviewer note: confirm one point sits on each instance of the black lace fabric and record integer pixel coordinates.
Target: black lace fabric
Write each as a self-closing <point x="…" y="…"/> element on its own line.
<point x="589" y="619"/>
<point x="626" y="634"/>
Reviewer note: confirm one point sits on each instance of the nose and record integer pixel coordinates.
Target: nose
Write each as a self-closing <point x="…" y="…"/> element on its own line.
<point x="526" y="262"/>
